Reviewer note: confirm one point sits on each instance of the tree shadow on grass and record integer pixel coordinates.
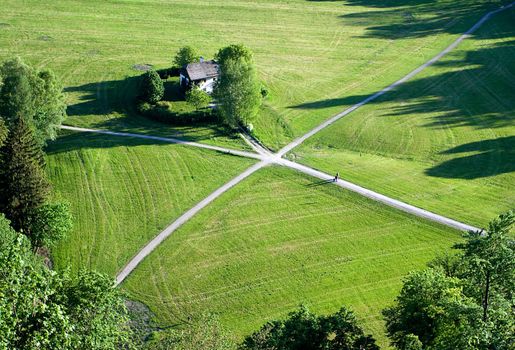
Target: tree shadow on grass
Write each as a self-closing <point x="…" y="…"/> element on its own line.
<point x="475" y="91"/>
<point x="492" y="157"/>
<point x="394" y="19"/>
<point x="118" y="97"/>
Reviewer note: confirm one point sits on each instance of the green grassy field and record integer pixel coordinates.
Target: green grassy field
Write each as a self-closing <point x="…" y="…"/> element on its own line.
<point x="123" y="191"/>
<point x="279" y="239"/>
<point x="444" y="141"/>
<point x="276" y="240"/>
<point x="306" y="51"/>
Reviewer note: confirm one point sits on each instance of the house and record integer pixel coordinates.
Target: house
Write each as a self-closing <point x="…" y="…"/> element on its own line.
<point x="202" y="74"/>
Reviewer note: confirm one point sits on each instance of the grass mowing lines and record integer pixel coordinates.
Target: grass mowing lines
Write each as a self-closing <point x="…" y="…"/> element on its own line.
<point x="443" y="141"/>
<point x="280" y="239"/>
<point x="123" y="191"/>
<point x="310" y="54"/>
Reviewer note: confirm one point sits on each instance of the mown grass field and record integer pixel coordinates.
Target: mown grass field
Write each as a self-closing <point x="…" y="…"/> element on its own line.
<point x="280" y="239"/>
<point x="123" y="191"/>
<point x="444" y="141"/>
<point x="275" y="240"/>
<point x="306" y="51"/>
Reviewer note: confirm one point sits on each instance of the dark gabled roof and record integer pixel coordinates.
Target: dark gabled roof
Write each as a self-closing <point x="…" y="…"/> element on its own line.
<point x="202" y="70"/>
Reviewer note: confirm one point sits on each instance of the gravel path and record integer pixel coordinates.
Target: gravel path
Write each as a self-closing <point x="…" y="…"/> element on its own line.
<point x="168" y="139"/>
<point x="267" y="158"/>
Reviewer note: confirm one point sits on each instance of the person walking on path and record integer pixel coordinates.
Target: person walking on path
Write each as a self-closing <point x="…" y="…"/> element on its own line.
<point x="336" y="177"/>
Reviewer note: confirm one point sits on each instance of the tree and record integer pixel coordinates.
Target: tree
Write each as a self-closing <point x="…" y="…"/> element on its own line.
<point x="197" y="98"/>
<point x="205" y="333"/>
<point x="32" y="317"/>
<point x="41" y="309"/>
<point x="49" y="223"/>
<point x="23" y="185"/>
<point x="234" y="52"/>
<point x="97" y="311"/>
<point x="238" y="89"/>
<point x="463" y="301"/>
<point x="303" y="330"/>
<point x="33" y="95"/>
<point x="489" y="261"/>
<point x="152" y="88"/>
<point x="3" y="131"/>
<point x="185" y="56"/>
<point x="51" y="105"/>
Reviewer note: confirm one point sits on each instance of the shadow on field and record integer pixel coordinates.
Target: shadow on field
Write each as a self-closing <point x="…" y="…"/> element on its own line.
<point x="496" y="156"/>
<point x="475" y="90"/>
<point x="104" y="97"/>
<point x="394" y="19"/>
<point x="73" y="141"/>
<point x="319" y="183"/>
<point x="118" y="97"/>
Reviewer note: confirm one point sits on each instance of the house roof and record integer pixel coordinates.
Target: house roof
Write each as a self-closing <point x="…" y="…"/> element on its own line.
<point x="202" y="70"/>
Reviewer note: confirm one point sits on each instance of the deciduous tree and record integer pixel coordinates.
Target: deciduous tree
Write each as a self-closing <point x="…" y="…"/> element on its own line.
<point x="186" y="55"/>
<point x="197" y="98"/>
<point x="238" y="89"/>
<point x="49" y="223"/>
<point x="463" y="301"/>
<point x="33" y="95"/>
<point x="303" y="330"/>
<point x="44" y="310"/>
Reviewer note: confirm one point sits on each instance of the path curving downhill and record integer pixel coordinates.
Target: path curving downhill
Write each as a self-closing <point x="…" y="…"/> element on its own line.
<point x="267" y="158"/>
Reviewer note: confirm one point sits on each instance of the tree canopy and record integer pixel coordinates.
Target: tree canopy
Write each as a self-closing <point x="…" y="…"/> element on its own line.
<point x="197" y="98"/>
<point x="238" y="90"/>
<point x="33" y="95"/>
<point x="41" y="309"/>
<point x="152" y="87"/>
<point x="303" y="330"/>
<point x="186" y="55"/>
<point x="461" y="302"/>
<point x="48" y="224"/>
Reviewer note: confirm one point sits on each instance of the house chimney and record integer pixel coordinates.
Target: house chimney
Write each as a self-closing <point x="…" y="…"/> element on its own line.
<point x="201" y="59"/>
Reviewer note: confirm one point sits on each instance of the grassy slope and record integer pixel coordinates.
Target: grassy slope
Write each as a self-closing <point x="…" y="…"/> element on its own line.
<point x="124" y="191"/>
<point x="278" y="240"/>
<point x="445" y="141"/>
<point x="306" y="51"/>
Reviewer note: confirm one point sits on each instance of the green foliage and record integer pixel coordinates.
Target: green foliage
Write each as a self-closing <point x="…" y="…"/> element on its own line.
<point x="51" y="106"/>
<point x="23" y="185"/>
<point x="186" y="55"/>
<point x="41" y="309"/>
<point x="3" y="131"/>
<point x="238" y="90"/>
<point x="198" y="98"/>
<point x="152" y="87"/>
<point x="471" y="310"/>
<point x="205" y="333"/>
<point x="305" y="330"/>
<point x="49" y="223"/>
<point x="33" y="95"/>
<point x="97" y="311"/>
<point x="234" y="52"/>
<point x="176" y="113"/>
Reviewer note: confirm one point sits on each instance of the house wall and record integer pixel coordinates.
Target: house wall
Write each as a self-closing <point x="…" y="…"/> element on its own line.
<point x="208" y="85"/>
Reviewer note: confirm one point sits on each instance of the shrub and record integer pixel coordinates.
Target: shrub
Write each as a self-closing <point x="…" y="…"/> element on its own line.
<point x="197" y="98"/>
<point x="152" y="88"/>
<point x="176" y="113"/>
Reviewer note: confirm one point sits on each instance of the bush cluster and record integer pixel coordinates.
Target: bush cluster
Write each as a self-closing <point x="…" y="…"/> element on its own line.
<point x="176" y="114"/>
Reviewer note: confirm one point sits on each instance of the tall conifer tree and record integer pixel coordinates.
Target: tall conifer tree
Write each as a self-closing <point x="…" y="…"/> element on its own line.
<point x="23" y="185"/>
